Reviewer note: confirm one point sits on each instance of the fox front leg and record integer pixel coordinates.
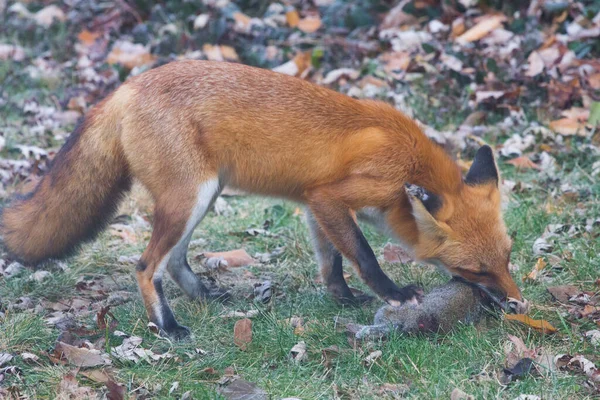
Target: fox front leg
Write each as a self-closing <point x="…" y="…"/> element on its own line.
<point x="332" y="207"/>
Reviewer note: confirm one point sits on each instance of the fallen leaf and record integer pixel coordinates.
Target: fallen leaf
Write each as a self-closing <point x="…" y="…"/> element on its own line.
<point x="69" y="389"/>
<point x="28" y="357"/>
<point x="523" y="162"/>
<point x="517" y="350"/>
<point x="11" y="52"/>
<point x="536" y="64"/>
<point x="372" y="357"/>
<point x="393" y="253"/>
<point x="242" y="333"/>
<point x="458" y="394"/>
<point x="589" y="310"/>
<point x="567" y="127"/>
<point x="336" y="74"/>
<point x="125" y="232"/>
<point x="539" y="325"/>
<point x="309" y="24"/>
<point x="563" y="293"/>
<point x="5" y="358"/>
<point x="201" y="21"/>
<point x="483" y="95"/>
<point x="242" y="21"/>
<point x="48" y="14"/>
<point x="482" y="28"/>
<point x="233" y="258"/>
<point x="328" y="354"/>
<point x="539" y="266"/>
<point x="241" y="314"/>
<point x="298" y="352"/>
<point x="292" y="18"/>
<point x="298" y="66"/>
<point x="81" y="357"/>
<point x="87" y="38"/>
<point x="130" y="55"/>
<point x="577" y="113"/>
<point x="594" y="336"/>
<point x="240" y="389"/>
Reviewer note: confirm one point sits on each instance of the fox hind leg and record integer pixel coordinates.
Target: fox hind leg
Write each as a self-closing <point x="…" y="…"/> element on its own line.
<point x="177" y="214"/>
<point x="178" y="266"/>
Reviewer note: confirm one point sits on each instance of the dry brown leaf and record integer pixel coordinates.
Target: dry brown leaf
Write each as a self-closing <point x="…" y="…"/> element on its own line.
<point x="458" y="394"/>
<point x="47" y="15"/>
<point x="372" y="357"/>
<point x="242" y="333"/>
<point x="298" y="352"/>
<point x="234" y="258"/>
<point x="125" y="232"/>
<point x="11" y="52"/>
<point x="523" y="162"/>
<point x="309" y="24"/>
<point x="229" y="53"/>
<point x="539" y="325"/>
<point x="549" y="56"/>
<point x="81" y="357"/>
<point x="298" y="66"/>
<point x="563" y="293"/>
<point x="393" y="253"/>
<point x="594" y="81"/>
<point x="539" y="265"/>
<point x="242" y="21"/>
<point x="292" y="18"/>
<point x="588" y="310"/>
<point x="220" y="53"/>
<point x="577" y="113"/>
<point x="130" y="55"/>
<point x="567" y="127"/>
<point x="240" y="389"/>
<point x="536" y="64"/>
<point x="488" y="94"/>
<point x="482" y="28"/>
<point x="69" y="389"/>
<point x="87" y="38"/>
<point x="395" y="62"/>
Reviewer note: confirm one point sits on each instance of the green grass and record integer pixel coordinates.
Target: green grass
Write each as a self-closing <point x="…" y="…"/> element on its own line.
<point x="468" y="358"/>
<point x="430" y="366"/>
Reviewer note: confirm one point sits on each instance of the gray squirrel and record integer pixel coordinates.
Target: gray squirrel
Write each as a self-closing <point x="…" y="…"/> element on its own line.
<point x="439" y="311"/>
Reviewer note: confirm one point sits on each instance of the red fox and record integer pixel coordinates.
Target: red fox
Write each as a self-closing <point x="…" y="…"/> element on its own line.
<point x="188" y="128"/>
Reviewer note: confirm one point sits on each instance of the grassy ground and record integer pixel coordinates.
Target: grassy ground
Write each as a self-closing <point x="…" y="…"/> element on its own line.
<point x="429" y="367"/>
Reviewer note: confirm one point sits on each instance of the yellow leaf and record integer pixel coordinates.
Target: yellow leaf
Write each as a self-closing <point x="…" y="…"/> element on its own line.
<point x="87" y="38"/>
<point x="309" y="24"/>
<point x="539" y="325"/>
<point x="292" y="18"/>
<point x="482" y="28"/>
<point x="539" y="265"/>
<point x="242" y="20"/>
<point x="567" y="127"/>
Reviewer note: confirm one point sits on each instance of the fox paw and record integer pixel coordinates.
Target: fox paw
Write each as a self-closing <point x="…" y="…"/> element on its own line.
<point x="177" y="332"/>
<point x="411" y="294"/>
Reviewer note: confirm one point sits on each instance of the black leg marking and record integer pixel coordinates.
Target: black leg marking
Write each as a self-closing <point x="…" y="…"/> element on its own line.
<point x="167" y="323"/>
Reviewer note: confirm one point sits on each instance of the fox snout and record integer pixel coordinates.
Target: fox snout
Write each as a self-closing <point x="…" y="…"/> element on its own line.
<point x="510" y="300"/>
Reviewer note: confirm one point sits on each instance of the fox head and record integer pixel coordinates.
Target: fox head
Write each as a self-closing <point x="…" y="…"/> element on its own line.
<point x="464" y="232"/>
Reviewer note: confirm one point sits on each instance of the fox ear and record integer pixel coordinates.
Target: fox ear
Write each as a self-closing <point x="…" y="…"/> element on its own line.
<point x="430" y="201"/>
<point x="484" y="169"/>
<point x="424" y="204"/>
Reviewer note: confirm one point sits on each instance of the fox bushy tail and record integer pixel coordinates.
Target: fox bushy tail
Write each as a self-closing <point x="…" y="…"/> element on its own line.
<point x="76" y="198"/>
